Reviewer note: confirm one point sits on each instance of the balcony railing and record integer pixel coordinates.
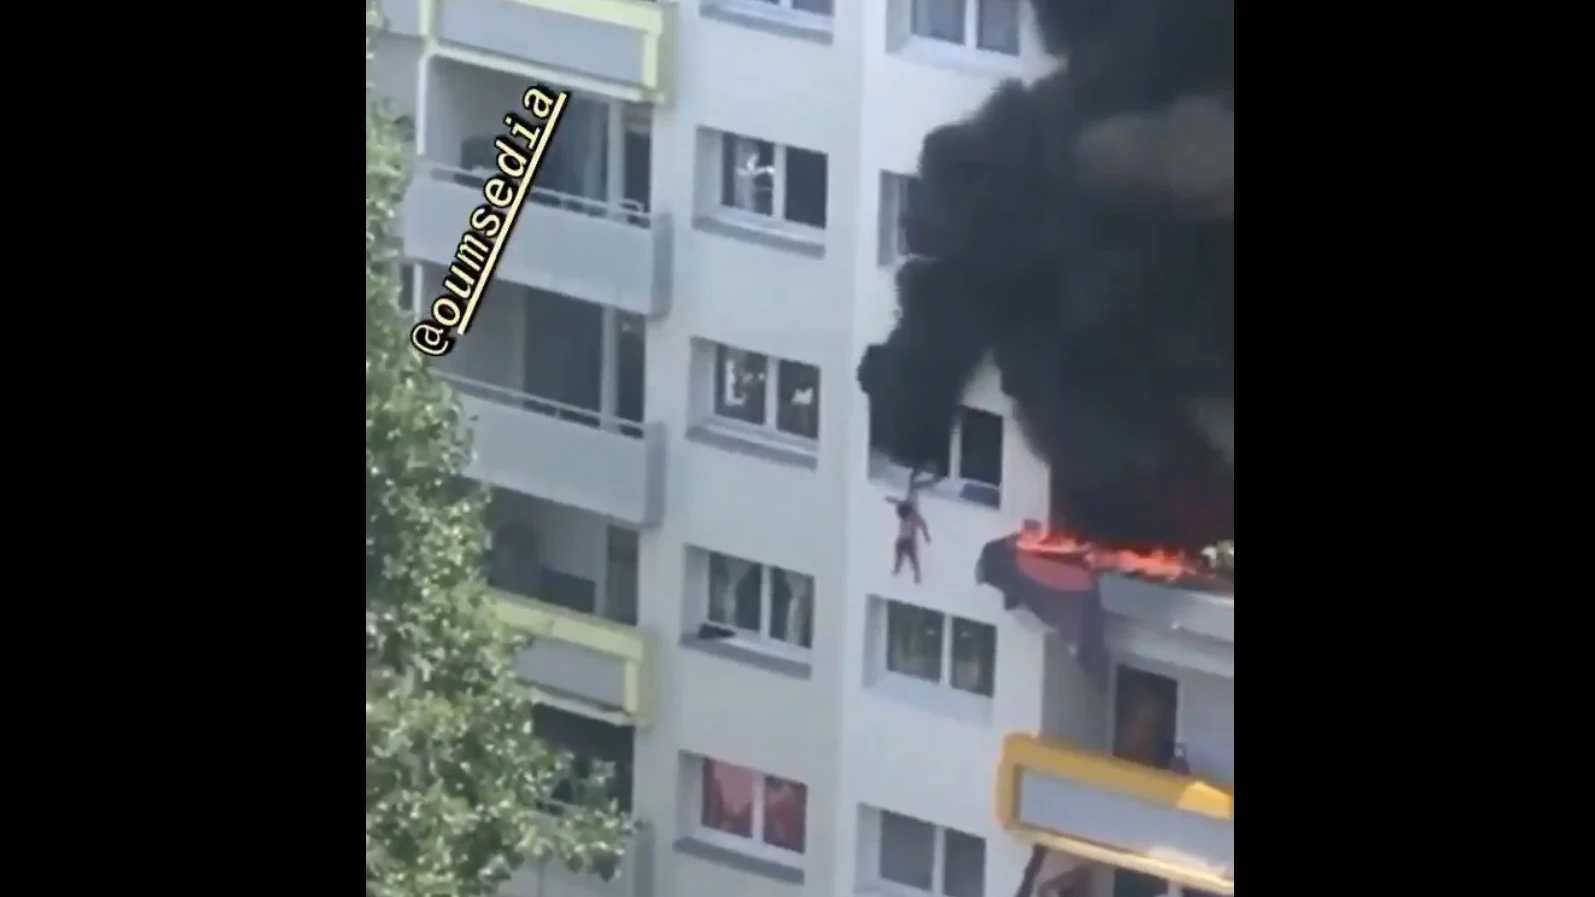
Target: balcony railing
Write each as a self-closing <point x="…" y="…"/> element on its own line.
<point x="544" y="406"/>
<point x="611" y="253"/>
<point x="1123" y="814"/>
<point x="588" y="664"/>
<point x="547" y="449"/>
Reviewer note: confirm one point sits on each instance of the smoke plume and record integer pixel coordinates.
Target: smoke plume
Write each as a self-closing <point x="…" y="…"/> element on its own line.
<point x="1080" y="231"/>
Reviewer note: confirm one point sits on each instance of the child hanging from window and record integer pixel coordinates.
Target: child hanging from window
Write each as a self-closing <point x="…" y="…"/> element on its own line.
<point x="910" y="524"/>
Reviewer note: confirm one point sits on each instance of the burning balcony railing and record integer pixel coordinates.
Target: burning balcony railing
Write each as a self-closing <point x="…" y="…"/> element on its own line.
<point x="1073" y="587"/>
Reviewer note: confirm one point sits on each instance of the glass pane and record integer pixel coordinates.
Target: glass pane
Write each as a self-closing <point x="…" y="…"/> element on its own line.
<point x="631" y="368"/>
<point x="798" y="386"/>
<point x="749" y="595"/>
<point x="728" y="798"/>
<point x="406" y="287"/>
<point x="913" y="641"/>
<point x="905" y="188"/>
<point x="999" y="26"/>
<point x="568" y="590"/>
<point x="791" y="607"/>
<point x="980" y="447"/>
<point x="908" y="851"/>
<point x="637" y="188"/>
<point x="748" y="174"/>
<point x="739" y="384"/>
<point x="1136" y="884"/>
<point x="734" y="592"/>
<point x="818" y="7"/>
<point x="621" y="584"/>
<point x="785" y="808"/>
<point x="939" y="20"/>
<point x="805" y="187"/>
<point x="964" y="865"/>
<point x="577" y="163"/>
<point x="974" y="653"/>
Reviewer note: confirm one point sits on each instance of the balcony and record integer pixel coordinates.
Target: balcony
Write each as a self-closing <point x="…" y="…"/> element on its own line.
<point x="584" y="459"/>
<point x="1118" y="813"/>
<point x="554" y="879"/>
<point x="1164" y="623"/>
<point x="621" y="45"/>
<point x="603" y="253"/>
<point x="579" y="662"/>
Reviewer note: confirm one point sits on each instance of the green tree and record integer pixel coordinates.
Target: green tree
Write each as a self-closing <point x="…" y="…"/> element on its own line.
<point x="454" y="775"/>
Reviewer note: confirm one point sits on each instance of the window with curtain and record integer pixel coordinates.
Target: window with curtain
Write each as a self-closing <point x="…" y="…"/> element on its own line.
<point x="745" y="804"/>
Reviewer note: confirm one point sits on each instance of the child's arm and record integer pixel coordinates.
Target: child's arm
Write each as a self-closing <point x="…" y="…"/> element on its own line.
<point x="923" y="528"/>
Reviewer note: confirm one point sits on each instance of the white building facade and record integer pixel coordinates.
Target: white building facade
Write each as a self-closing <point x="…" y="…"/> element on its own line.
<point x="686" y="512"/>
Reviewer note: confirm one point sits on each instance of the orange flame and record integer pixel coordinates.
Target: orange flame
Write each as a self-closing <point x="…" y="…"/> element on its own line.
<point x="1168" y="566"/>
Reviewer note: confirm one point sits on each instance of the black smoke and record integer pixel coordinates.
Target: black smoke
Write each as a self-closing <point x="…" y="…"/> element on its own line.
<point x="1080" y="230"/>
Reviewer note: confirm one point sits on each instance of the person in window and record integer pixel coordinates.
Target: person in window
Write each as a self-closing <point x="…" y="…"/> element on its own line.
<point x="910" y="525"/>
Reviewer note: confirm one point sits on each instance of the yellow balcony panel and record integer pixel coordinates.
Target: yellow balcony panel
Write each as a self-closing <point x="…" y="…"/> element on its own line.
<point x="620" y="48"/>
<point x="583" y="663"/>
<point x="1119" y="813"/>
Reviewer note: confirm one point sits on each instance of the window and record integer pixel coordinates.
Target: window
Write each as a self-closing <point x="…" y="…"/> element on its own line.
<point x="978" y="456"/>
<point x="973" y="456"/>
<point x="930" y="858"/>
<point x="763" y="179"/>
<point x="1145" y="717"/>
<point x="897" y="197"/>
<point x="600" y="166"/>
<point x="934" y="647"/>
<point x="989" y="25"/>
<point x="747" y="386"/>
<point x="761" y="602"/>
<point x="751" y="809"/>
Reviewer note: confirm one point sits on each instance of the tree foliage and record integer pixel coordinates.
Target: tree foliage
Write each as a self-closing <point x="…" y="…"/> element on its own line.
<point x="454" y="775"/>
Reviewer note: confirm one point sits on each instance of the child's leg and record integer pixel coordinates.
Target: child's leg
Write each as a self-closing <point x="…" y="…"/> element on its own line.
<point x="913" y="559"/>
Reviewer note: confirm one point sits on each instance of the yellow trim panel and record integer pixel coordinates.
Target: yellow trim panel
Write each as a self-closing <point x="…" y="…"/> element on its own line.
<point x="1155" y="786"/>
<point x="628" y="644"/>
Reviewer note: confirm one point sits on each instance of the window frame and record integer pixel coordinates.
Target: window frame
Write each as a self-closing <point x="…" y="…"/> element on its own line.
<point x="955" y="484"/>
<point x="969" y="48"/>
<point x="955" y="453"/>
<point x="754" y="844"/>
<point x="768" y="430"/>
<point x="938" y="858"/>
<point x="944" y="679"/>
<point x="776" y="222"/>
<point x="761" y="640"/>
<point x="895" y="187"/>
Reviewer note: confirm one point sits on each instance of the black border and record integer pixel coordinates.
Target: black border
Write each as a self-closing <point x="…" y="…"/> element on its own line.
<point x="253" y="589"/>
<point x="1337" y="619"/>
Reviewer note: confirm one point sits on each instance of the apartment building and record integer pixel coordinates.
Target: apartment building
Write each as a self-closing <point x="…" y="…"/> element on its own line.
<point x="688" y="520"/>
